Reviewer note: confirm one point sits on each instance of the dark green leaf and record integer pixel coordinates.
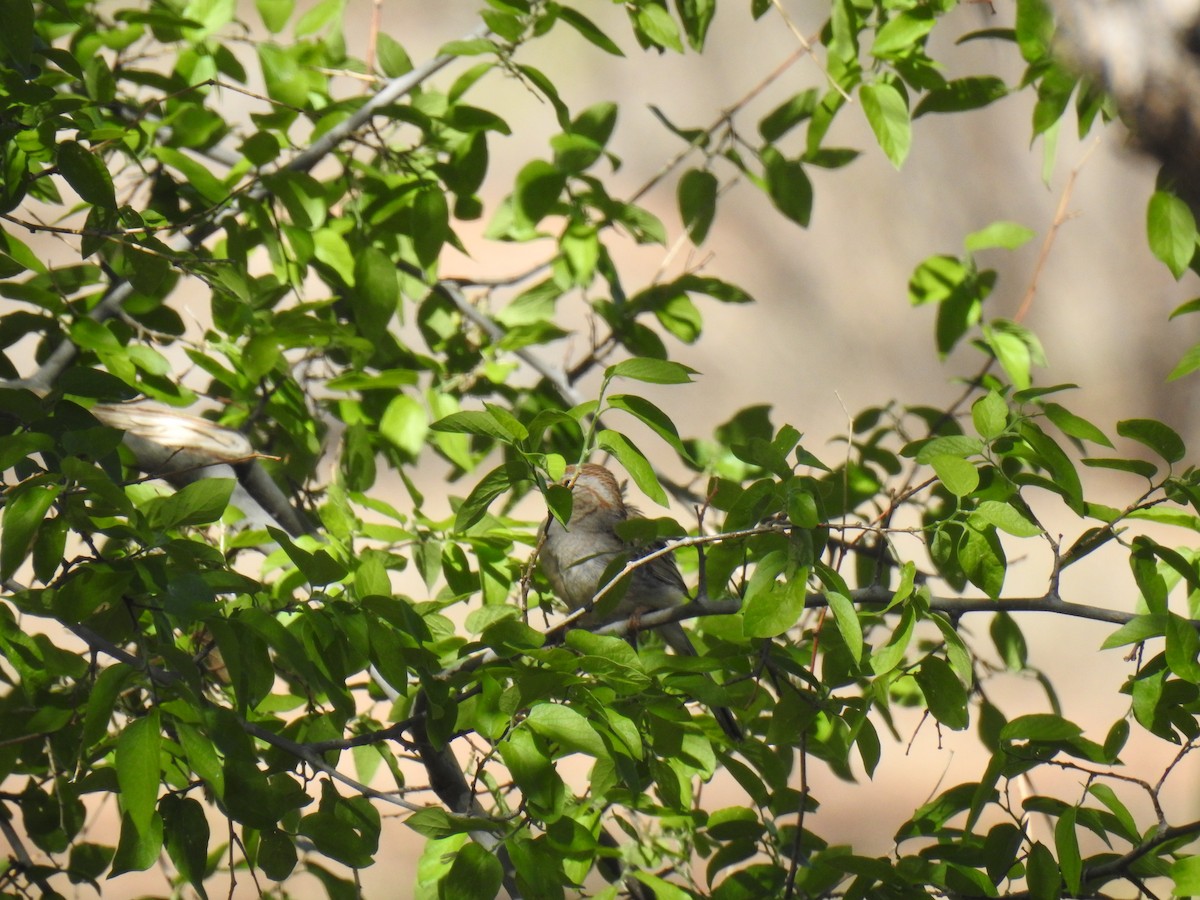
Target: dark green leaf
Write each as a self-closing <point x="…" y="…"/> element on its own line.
<point x="86" y="174"/>
<point x="944" y="693"/>
<point x="697" y="202"/>
<point x="962" y="94"/>
<point x="788" y="186"/>
<point x="1160" y="438"/>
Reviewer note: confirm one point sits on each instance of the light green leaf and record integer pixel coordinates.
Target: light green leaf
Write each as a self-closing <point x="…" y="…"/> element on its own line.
<point x="1005" y="517"/>
<point x="1188" y="364"/>
<point x="1171" y="228"/>
<point x="887" y="115"/>
<point x="1185" y="872"/>
<point x="959" y="475"/>
<point x="405" y="423"/>
<point x="655" y="24"/>
<point x="138" y="768"/>
<point x="848" y="624"/>
<point x="561" y="724"/>
<point x="990" y="415"/>
<point x="1008" y="235"/>
<point x="903" y="33"/>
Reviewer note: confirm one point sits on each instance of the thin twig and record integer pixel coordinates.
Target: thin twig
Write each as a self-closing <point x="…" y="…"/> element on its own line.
<point x="808" y="47"/>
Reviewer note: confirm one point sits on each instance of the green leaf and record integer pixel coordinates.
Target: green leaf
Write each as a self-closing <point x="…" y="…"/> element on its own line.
<point x="654" y="24"/>
<point x="101" y="701"/>
<point x="482" y="422"/>
<point x="376" y="294"/>
<point x="1159" y="437"/>
<point x="1040" y="727"/>
<point x="1075" y="426"/>
<point x="848" y="624"/>
<point x="137" y="848"/>
<point x="17" y="35"/>
<point x="635" y="463"/>
<point x="1007" y="235"/>
<point x="944" y="694"/>
<point x="1042" y="873"/>
<point x="24" y="512"/>
<point x="1182" y="648"/>
<point x="887" y="115"/>
<point x="1009" y="641"/>
<point x="1188" y="364"/>
<point x="275" y="13"/>
<point x="587" y="29"/>
<point x="962" y="94"/>
<point x="1147" y="470"/>
<point x="394" y="61"/>
<point x="1185" y="872"/>
<point x="990" y="415"/>
<point x="697" y="203"/>
<point x="903" y="33"/>
<point x="1136" y="630"/>
<point x="652" y="416"/>
<point x="891" y="654"/>
<point x="491" y="486"/>
<point x="185" y="828"/>
<point x="196" y="175"/>
<point x="475" y="874"/>
<point x="788" y="115"/>
<point x="1006" y="517"/>
<point x="276" y="854"/>
<point x="696" y="16"/>
<point x="137" y="767"/>
<point x="788" y="186"/>
<point x="1017" y="350"/>
<point x="960" y="476"/>
<point x="1034" y="29"/>
<point x="1172" y="231"/>
<point x="539" y="186"/>
<point x="198" y="503"/>
<point x="775" y="608"/>
<point x="404" y="423"/>
<point x="1066" y="842"/>
<point x="983" y="560"/>
<point x="86" y="174"/>
<point x="560" y="723"/>
<point x="651" y="371"/>
<point x="959" y="445"/>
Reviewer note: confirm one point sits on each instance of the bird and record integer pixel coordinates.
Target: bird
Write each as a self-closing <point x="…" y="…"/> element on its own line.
<point x="574" y="557"/>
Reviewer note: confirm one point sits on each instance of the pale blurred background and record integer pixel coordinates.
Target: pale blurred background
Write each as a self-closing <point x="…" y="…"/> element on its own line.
<point x="833" y="331"/>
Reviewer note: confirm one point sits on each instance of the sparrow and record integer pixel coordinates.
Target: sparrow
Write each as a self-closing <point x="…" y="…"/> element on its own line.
<point x="575" y="556"/>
